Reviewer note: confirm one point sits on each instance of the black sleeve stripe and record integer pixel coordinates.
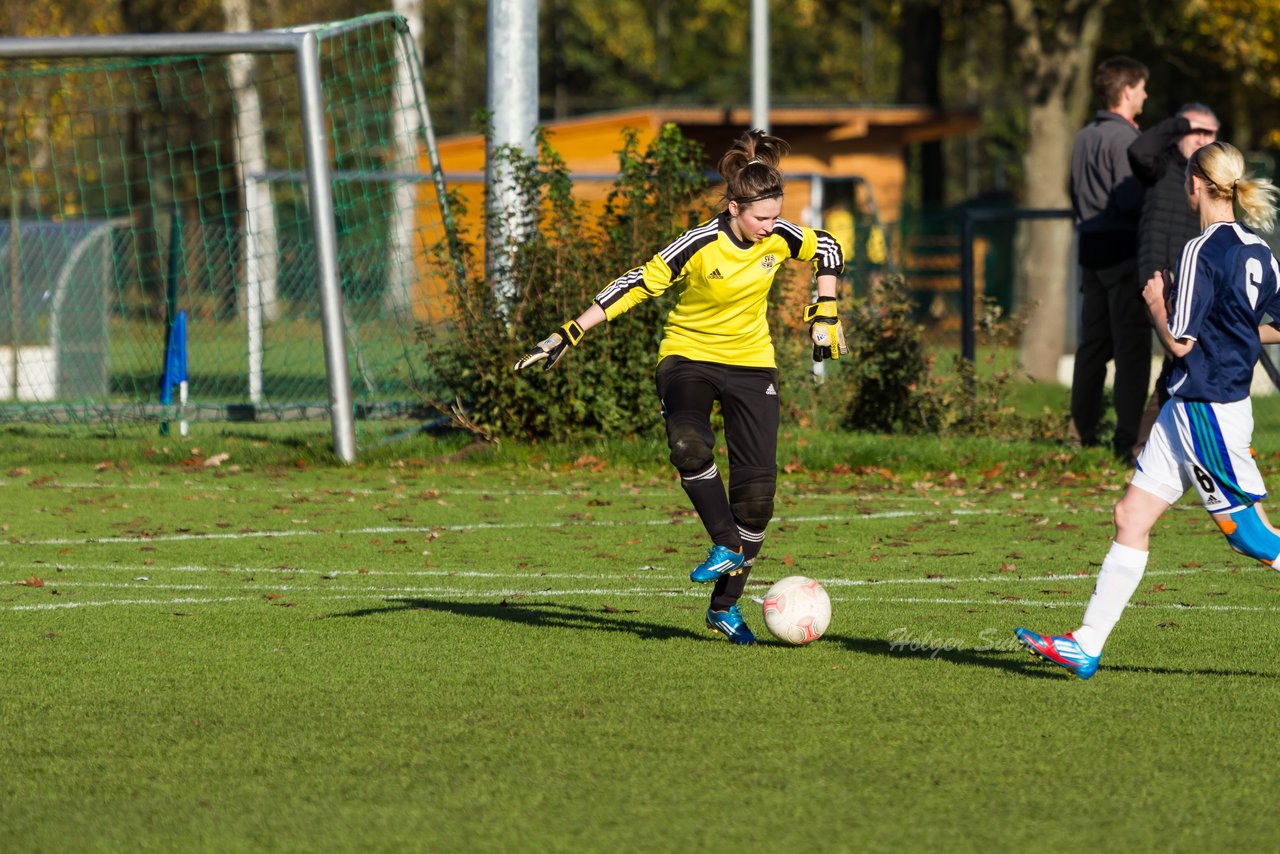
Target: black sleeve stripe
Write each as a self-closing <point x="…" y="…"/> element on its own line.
<point x="791" y="233"/>
<point x="830" y="257"/>
<point x="687" y="245"/>
<point x="615" y="290"/>
<point x="676" y="255"/>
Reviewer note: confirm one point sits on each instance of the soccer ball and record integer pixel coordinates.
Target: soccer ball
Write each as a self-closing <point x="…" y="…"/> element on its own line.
<point x="797" y="610"/>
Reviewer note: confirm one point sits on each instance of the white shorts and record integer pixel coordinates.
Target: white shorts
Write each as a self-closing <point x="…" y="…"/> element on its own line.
<point x="1205" y="445"/>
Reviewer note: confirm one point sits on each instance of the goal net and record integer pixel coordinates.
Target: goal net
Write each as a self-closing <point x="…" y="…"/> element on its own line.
<point x="274" y="195"/>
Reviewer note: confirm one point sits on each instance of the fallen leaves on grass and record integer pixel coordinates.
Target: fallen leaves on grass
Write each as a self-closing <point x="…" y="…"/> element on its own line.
<point x="587" y="461"/>
<point x="33" y="581"/>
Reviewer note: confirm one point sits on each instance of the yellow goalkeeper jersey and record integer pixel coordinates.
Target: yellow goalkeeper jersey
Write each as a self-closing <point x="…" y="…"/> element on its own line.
<point x="724" y="288"/>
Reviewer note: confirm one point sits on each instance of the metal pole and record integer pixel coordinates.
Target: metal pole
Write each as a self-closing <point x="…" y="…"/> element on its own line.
<point x="253" y="287"/>
<point x="513" y="104"/>
<point x="760" y="64"/>
<point x="154" y="44"/>
<point x="15" y="289"/>
<point x="968" y="344"/>
<point x="968" y="287"/>
<point x="321" y="192"/>
<point x="817" y="204"/>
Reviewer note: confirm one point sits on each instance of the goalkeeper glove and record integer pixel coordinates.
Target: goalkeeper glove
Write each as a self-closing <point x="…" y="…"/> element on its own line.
<point x="825" y="329"/>
<point x="553" y="348"/>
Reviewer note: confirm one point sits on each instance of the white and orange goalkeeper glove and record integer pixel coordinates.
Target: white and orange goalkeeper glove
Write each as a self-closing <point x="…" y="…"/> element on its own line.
<point x="825" y="329"/>
<point x="552" y="349"/>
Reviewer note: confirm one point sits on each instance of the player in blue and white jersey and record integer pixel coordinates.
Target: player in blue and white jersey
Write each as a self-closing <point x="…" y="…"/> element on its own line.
<point x="1211" y="322"/>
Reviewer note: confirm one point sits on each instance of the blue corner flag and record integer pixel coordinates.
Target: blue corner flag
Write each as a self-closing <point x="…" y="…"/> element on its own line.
<point x="175" y="358"/>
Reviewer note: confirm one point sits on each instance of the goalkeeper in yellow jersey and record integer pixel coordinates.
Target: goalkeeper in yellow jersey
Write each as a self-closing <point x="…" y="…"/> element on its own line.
<point x="716" y="346"/>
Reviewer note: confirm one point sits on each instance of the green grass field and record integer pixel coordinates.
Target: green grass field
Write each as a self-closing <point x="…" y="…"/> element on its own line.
<point x="440" y="650"/>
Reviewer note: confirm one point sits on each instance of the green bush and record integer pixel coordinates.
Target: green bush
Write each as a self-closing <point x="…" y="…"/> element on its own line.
<point x="895" y="386"/>
<point x="605" y="385"/>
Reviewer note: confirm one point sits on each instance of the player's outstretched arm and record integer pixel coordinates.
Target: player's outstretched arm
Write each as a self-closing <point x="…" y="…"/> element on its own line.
<point x="551" y="349"/>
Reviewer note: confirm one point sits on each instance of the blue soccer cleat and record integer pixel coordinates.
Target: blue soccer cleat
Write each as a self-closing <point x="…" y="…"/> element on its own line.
<point x="730" y="624"/>
<point x="1062" y="650"/>
<point x="721" y="560"/>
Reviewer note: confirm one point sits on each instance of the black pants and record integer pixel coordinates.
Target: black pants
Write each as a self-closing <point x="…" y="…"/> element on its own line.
<point x="749" y="402"/>
<point x="1114" y="325"/>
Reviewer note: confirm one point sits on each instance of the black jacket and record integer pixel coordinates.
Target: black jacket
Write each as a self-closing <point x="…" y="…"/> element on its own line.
<point x="1166" y="223"/>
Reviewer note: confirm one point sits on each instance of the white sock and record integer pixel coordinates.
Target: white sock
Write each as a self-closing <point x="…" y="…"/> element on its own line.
<point x="1119" y="577"/>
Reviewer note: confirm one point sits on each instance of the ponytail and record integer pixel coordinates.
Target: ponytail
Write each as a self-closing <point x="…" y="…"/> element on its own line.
<point x="1221" y="166"/>
<point x="750" y="168"/>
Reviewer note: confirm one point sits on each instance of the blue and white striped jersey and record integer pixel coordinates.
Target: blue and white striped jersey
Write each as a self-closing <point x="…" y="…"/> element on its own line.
<point x="1227" y="281"/>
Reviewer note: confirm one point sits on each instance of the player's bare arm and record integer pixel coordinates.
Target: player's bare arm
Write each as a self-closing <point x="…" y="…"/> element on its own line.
<point x="1156" y="295"/>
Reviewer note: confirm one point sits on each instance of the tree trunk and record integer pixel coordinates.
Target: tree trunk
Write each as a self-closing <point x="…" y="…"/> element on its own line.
<point x="1056" y="50"/>
<point x="261" y="258"/>
<point x="1044" y="262"/>
<point x="406" y="131"/>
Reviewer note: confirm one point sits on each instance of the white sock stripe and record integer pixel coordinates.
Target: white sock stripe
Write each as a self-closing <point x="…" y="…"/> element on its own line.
<point x="750" y="536"/>
<point x="706" y="474"/>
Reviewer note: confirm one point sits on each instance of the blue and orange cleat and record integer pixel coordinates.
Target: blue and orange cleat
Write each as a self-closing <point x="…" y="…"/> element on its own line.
<point x="1062" y="650"/>
<point x="721" y="560"/>
<point x="730" y="624"/>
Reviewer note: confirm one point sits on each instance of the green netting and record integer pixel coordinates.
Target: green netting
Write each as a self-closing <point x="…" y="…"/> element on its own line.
<point x="136" y="188"/>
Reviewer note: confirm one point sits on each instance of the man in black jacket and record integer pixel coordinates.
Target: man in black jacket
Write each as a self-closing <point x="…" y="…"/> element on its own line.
<point x="1158" y="158"/>
<point x="1107" y="200"/>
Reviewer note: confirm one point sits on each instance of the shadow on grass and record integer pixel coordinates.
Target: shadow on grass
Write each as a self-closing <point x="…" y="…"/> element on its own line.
<point x="998" y="659"/>
<point x="1022" y="663"/>
<point x="553" y="615"/>
<point x="561" y="615"/>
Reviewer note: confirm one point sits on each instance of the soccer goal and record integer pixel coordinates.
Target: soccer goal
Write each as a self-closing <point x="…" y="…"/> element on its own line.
<point x="276" y="195"/>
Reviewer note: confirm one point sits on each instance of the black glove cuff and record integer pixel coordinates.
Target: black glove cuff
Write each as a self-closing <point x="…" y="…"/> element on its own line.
<point x="811" y="310"/>
<point x="572" y="332"/>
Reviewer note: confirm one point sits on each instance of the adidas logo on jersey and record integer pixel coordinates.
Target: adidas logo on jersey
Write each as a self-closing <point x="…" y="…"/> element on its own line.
<point x="716" y="274"/>
<point x="771" y="390"/>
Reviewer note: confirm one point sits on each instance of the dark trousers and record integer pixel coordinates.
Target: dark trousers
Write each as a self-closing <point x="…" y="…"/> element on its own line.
<point x="749" y="403"/>
<point x="1113" y="325"/>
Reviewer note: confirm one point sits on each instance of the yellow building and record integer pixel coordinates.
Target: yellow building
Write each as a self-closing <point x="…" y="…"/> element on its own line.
<point x="832" y="148"/>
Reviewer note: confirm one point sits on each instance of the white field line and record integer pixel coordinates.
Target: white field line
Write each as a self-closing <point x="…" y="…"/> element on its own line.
<point x="411" y="490"/>
<point x="147" y="584"/>
<point x="478" y="526"/>
<point x="651" y="571"/>
<point x="408" y="492"/>
<point x="450" y="593"/>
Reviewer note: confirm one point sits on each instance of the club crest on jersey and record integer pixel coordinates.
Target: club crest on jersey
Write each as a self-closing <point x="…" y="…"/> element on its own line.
<point x="769" y="261"/>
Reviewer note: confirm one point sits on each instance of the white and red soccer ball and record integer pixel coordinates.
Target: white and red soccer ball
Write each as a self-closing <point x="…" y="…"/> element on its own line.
<point x="797" y="610"/>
